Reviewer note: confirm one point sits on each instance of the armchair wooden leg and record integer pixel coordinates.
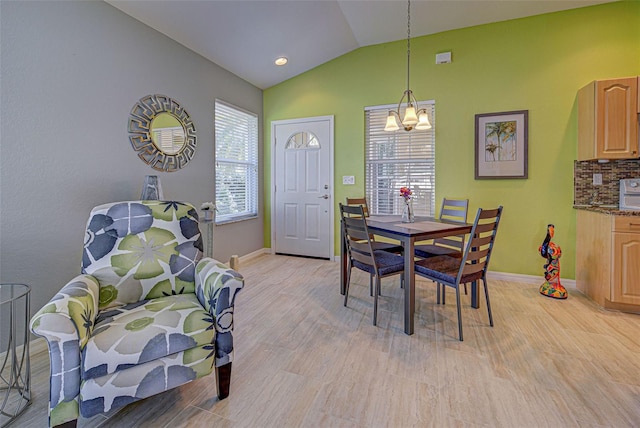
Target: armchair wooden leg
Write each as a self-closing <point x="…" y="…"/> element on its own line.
<point x="223" y="380"/>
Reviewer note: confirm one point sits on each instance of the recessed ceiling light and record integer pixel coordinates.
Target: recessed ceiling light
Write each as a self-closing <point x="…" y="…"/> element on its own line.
<point x="281" y="60"/>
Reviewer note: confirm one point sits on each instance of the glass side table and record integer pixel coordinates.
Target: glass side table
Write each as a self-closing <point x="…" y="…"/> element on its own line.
<point x="15" y="369"/>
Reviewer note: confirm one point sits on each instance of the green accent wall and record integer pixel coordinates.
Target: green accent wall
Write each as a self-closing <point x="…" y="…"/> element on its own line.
<point x="536" y="64"/>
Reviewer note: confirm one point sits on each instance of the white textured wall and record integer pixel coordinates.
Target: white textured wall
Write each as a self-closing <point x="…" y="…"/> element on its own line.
<point x="70" y="74"/>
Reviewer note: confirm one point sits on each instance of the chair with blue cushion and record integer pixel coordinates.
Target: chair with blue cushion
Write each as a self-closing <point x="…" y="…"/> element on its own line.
<point x="452" y="271"/>
<point x="377" y="245"/>
<point x="455" y="211"/>
<point x="361" y="254"/>
<point x="147" y="314"/>
<point x="452" y="210"/>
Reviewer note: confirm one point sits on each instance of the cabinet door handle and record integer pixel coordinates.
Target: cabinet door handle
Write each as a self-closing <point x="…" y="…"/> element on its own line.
<point x="634" y="224"/>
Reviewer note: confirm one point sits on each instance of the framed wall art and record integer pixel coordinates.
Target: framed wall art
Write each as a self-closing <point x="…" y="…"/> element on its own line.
<point x="502" y="145"/>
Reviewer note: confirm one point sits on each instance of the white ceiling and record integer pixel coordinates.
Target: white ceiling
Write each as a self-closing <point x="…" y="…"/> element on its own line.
<point x="245" y="37"/>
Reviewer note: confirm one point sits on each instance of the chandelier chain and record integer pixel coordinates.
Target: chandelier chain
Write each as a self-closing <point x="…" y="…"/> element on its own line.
<point x="408" y="41"/>
<point x="414" y="117"/>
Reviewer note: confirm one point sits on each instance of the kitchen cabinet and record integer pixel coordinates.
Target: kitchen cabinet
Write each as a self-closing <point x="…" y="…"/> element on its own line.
<point x="608" y="259"/>
<point x="608" y="119"/>
<point x="626" y="260"/>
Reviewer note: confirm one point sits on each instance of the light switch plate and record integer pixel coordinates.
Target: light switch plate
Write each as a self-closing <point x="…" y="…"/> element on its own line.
<point x="348" y="179"/>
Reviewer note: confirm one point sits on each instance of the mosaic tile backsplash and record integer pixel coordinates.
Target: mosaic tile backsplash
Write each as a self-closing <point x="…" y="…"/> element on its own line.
<point x="612" y="172"/>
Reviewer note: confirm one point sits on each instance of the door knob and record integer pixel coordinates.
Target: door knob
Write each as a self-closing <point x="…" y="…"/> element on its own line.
<point x="323" y="197"/>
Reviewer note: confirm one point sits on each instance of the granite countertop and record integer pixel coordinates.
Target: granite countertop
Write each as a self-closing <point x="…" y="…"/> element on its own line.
<point x="609" y="210"/>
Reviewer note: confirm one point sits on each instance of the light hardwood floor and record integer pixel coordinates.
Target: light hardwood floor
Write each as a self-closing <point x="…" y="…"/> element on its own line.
<point x="304" y="360"/>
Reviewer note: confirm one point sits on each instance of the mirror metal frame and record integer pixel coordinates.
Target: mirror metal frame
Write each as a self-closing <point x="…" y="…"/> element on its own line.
<point x="140" y="118"/>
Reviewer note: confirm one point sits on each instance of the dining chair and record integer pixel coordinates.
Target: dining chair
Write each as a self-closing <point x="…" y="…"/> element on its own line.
<point x="377" y="245"/>
<point x="472" y="266"/>
<point x="362" y="255"/>
<point x="454" y="210"/>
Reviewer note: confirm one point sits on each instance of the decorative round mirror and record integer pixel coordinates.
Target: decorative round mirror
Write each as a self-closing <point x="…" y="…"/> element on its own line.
<point x="162" y="133"/>
<point x="167" y="133"/>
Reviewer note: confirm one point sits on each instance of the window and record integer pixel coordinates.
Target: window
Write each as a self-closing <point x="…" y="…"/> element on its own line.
<point x="169" y="140"/>
<point x="236" y="163"/>
<point x="397" y="159"/>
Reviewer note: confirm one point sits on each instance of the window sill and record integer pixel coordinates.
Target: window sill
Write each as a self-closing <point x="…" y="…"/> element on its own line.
<point x="235" y="220"/>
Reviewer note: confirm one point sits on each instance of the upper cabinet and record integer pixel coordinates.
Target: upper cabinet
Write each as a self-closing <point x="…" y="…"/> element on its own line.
<point x="608" y="119"/>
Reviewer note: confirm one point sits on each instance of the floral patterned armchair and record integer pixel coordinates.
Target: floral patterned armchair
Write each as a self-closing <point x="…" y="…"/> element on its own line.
<point x="147" y="314"/>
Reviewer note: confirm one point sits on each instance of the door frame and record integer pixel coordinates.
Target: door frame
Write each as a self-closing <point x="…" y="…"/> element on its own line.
<point x="330" y="255"/>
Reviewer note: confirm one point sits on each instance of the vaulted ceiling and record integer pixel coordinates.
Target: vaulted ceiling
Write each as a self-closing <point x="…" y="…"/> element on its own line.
<point x="245" y="37"/>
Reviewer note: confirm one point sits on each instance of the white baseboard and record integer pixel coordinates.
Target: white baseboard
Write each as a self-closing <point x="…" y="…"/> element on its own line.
<point x="500" y="276"/>
<point x="527" y="279"/>
<point x="255" y="254"/>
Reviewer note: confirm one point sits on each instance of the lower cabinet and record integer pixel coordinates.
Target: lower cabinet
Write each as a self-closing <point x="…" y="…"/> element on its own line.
<point x="608" y="259"/>
<point x="626" y="260"/>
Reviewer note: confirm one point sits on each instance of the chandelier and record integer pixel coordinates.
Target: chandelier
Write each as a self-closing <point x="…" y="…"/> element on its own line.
<point x="414" y="116"/>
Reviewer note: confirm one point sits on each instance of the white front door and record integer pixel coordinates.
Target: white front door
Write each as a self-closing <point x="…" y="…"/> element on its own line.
<point x="302" y="195"/>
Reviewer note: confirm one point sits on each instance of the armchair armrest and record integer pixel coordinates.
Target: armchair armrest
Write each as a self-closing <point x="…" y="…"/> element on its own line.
<point x="66" y="322"/>
<point x="216" y="288"/>
<point x="73" y="311"/>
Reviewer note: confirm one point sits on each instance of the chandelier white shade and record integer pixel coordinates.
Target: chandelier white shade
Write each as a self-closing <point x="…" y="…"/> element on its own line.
<point x="414" y="117"/>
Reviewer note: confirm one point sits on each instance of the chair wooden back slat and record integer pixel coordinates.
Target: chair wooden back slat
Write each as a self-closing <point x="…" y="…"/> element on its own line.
<point x="471" y="268"/>
<point x="485" y="227"/>
<point x="454" y="210"/>
<point x="479" y="247"/>
<point x="359" y="201"/>
<point x="357" y="227"/>
<point x="362" y="257"/>
<point x="452" y="242"/>
<point x="480" y="241"/>
<point x="357" y="235"/>
<point x="478" y="256"/>
<point x="490" y="213"/>
<point x="359" y="246"/>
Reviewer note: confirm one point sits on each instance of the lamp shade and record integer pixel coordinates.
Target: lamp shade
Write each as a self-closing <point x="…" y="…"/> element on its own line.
<point x="410" y="117"/>
<point x="392" y="123"/>
<point x="423" y="121"/>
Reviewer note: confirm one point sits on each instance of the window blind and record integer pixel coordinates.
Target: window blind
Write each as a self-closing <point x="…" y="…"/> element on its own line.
<point x="236" y="146"/>
<point x="399" y="159"/>
<point x="169" y="140"/>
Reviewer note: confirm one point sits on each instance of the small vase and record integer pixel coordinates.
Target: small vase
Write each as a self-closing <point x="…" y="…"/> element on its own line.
<point x="407" y="213"/>
<point x="208" y="215"/>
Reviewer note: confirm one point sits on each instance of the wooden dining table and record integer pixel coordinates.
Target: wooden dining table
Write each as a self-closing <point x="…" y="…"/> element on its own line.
<point x="424" y="228"/>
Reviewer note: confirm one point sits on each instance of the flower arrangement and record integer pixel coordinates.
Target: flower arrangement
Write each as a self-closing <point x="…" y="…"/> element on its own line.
<point x="208" y="206"/>
<point x="407" y="214"/>
<point x="406" y="193"/>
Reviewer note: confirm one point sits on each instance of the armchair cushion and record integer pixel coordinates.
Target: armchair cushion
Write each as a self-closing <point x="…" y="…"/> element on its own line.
<point x="144" y="331"/>
<point x="142" y="250"/>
